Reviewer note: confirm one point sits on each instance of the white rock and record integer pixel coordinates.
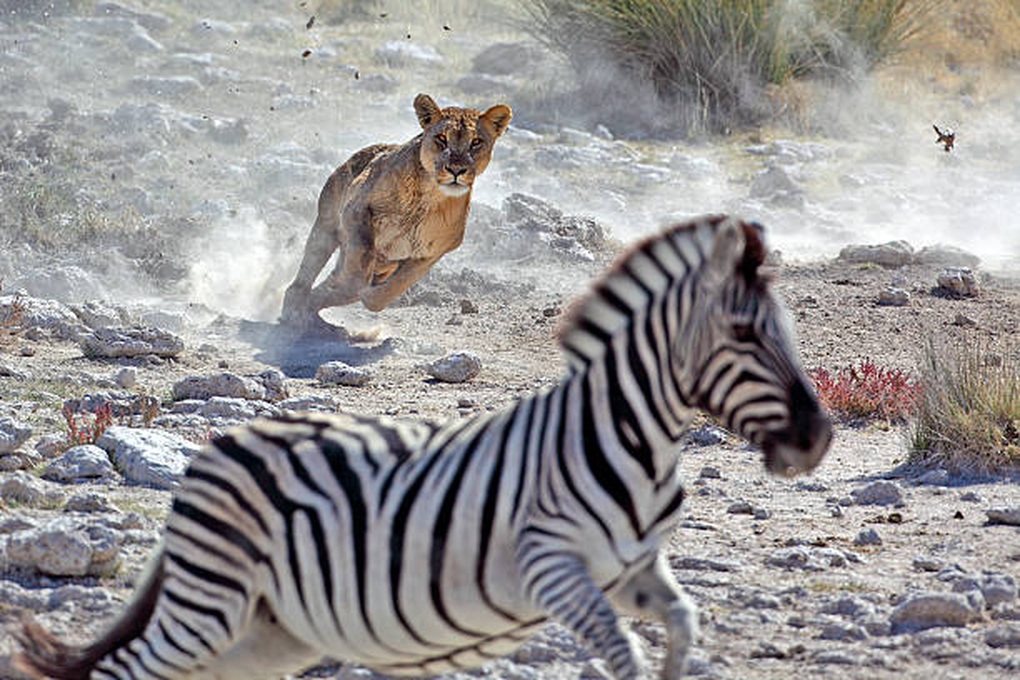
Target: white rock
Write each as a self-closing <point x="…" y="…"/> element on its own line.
<point x="457" y="367"/>
<point x="892" y="254"/>
<point x="65" y="547"/>
<point x="119" y="341"/>
<point x="959" y="281"/>
<point x="339" y="373"/>
<point x="882" y="492"/>
<point x="931" y="610"/>
<point x="80" y="463"/>
<point x="219" y="385"/>
<point x="13" y="434"/>
<point x="148" y="456"/>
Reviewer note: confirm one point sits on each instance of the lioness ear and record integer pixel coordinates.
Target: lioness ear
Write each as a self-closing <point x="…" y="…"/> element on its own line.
<point x="428" y="111"/>
<point x="498" y="117"/>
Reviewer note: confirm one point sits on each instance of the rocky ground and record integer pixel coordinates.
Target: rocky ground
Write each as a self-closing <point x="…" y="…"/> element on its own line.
<point x="211" y="135"/>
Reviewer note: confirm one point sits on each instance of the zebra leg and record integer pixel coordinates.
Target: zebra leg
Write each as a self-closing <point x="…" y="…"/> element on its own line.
<point x="560" y="585"/>
<point x="266" y="652"/>
<point x="654" y="593"/>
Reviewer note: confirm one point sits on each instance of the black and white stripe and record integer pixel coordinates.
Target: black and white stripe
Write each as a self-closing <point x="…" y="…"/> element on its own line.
<point x="415" y="549"/>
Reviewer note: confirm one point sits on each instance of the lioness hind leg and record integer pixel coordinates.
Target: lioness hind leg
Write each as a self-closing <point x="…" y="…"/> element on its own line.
<point x="654" y="592"/>
<point x="320" y="246"/>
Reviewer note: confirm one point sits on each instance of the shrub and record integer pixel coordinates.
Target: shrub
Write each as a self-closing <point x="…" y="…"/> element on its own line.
<point x="968" y="419"/>
<point x="867" y="392"/>
<point x="81" y="429"/>
<point x="709" y="60"/>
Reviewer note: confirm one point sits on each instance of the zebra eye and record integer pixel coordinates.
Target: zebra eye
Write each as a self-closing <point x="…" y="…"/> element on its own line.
<point x="744" y="332"/>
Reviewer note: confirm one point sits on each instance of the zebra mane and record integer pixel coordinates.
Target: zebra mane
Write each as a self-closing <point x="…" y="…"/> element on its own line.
<point x="645" y="272"/>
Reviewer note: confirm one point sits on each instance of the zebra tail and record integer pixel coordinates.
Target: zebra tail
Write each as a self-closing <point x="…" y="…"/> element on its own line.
<point x="43" y="655"/>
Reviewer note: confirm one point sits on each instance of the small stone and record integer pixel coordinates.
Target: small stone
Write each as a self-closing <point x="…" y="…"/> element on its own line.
<point x="882" y="492"/>
<point x="90" y="502"/>
<point x="1004" y="515"/>
<point x="708" y="435"/>
<point x="843" y="631"/>
<point x="457" y="367"/>
<point x="468" y="307"/>
<point x="892" y="254"/>
<point x="13" y="434"/>
<point x="740" y="508"/>
<point x="931" y="610"/>
<point x="339" y="373"/>
<point x="868" y="537"/>
<point x="964" y="321"/>
<point x="928" y="563"/>
<point x="113" y="342"/>
<point x="127" y="377"/>
<point x="1006" y="635"/>
<point x="80" y="463"/>
<point x="710" y="472"/>
<point x="218" y="385"/>
<point x="893" y="297"/>
<point x="958" y="282"/>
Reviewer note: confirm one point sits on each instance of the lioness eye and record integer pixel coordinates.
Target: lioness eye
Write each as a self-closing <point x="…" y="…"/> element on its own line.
<point x="441" y="140"/>
<point x="475" y="143"/>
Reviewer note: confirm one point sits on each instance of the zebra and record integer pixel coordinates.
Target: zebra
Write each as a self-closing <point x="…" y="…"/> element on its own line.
<point x="415" y="548"/>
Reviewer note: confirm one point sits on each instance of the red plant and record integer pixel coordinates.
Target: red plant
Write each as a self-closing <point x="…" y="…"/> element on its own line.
<point x="867" y="392"/>
<point x="82" y="430"/>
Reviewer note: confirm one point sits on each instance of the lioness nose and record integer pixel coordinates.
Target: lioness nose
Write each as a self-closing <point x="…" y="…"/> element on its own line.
<point x="456" y="171"/>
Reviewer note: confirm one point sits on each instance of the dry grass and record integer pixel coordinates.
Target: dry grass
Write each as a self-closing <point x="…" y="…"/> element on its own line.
<point x="710" y="63"/>
<point x="968" y="419"/>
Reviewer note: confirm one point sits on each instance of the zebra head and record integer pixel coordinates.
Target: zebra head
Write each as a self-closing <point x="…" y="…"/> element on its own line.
<point x="735" y="353"/>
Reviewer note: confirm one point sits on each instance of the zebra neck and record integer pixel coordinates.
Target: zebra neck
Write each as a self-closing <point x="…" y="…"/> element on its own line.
<point x="625" y="415"/>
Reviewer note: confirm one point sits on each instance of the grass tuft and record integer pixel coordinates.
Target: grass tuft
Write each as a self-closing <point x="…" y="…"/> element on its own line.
<point x="968" y="420"/>
<point x="867" y="392"/>
<point x="711" y="63"/>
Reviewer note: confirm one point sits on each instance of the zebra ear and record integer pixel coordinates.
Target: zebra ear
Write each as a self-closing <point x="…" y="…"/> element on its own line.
<point x="727" y="250"/>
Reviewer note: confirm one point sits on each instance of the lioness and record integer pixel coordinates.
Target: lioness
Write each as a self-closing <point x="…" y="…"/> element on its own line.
<point x="394" y="210"/>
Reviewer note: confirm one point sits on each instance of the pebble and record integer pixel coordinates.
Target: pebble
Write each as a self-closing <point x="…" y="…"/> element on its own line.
<point x="958" y="282"/>
<point x="893" y="297"/>
<point x="868" y="537"/>
<point x="1004" y="515"/>
<point x="13" y="434"/>
<point x="339" y="373"/>
<point x="930" y="610"/>
<point x="457" y="367"/>
<point x="118" y="342"/>
<point x="882" y="492"/>
<point x="80" y="463"/>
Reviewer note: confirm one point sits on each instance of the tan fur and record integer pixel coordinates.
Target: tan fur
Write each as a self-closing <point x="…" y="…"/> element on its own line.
<point x="393" y="211"/>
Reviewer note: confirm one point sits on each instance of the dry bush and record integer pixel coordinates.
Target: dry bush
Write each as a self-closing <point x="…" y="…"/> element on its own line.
<point x="83" y="428"/>
<point x="968" y="418"/>
<point x="867" y="392"/>
<point x="711" y="62"/>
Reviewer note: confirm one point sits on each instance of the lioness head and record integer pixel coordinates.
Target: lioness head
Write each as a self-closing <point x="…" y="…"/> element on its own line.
<point x="457" y="143"/>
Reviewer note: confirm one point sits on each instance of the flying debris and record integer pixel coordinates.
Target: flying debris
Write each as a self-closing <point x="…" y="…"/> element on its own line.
<point x="311" y="22"/>
<point x="306" y="54"/>
<point x="947" y="138"/>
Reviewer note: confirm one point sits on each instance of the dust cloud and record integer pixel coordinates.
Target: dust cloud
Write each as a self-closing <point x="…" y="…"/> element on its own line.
<point x="219" y="123"/>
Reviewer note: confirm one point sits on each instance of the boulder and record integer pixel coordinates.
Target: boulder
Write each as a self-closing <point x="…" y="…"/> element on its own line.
<point x="148" y="456"/>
